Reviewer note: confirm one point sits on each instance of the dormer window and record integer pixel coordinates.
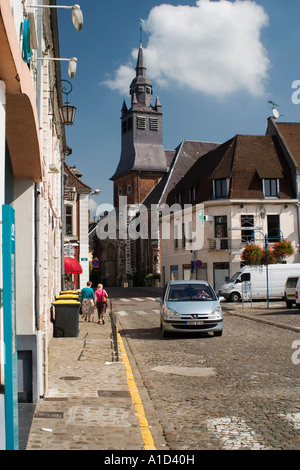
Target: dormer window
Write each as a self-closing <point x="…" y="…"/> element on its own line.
<point x="271" y="187"/>
<point x="221" y="188"/>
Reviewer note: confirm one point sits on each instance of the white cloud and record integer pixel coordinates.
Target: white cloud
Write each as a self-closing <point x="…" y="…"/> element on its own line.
<point x="92" y="205"/>
<point x="121" y="81"/>
<point x="213" y="47"/>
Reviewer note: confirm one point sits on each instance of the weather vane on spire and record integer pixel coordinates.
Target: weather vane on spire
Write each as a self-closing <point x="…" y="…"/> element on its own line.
<point x="141" y="30"/>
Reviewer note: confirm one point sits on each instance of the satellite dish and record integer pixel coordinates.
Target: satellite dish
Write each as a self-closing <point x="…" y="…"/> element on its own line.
<point x="276" y="113"/>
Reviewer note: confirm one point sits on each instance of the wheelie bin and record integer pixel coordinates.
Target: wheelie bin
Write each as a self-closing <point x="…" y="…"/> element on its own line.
<point x="67" y="297"/>
<point x="66" y="318"/>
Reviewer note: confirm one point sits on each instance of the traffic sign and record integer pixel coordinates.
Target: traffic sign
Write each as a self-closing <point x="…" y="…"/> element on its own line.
<point x="95" y="263"/>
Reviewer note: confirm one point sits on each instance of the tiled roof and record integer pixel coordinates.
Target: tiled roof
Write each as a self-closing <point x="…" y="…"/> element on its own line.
<point x="183" y="158"/>
<point x="74" y="181"/>
<point x="291" y="134"/>
<point x="246" y="160"/>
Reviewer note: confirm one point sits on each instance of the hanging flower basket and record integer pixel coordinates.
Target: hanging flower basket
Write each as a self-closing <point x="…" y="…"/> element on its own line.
<point x="282" y="249"/>
<point x="252" y="254"/>
<point x="271" y="257"/>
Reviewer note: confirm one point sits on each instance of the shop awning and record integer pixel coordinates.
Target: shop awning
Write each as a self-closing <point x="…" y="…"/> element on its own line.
<point x="72" y="266"/>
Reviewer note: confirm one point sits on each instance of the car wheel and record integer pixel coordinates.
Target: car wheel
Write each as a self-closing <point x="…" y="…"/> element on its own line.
<point x="235" y="297"/>
<point x="218" y="333"/>
<point x="289" y="304"/>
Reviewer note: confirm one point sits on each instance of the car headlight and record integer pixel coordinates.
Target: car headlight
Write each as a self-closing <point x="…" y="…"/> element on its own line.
<point x="169" y="313"/>
<point x="217" y="313"/>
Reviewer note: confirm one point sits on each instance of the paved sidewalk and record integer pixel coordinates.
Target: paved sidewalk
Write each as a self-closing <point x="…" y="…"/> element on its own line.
<point x="89" y="404"/>
<point x="276" y="314"/>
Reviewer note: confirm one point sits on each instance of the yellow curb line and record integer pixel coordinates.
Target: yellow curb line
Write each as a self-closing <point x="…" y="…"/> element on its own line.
<point x="136" y="399"/>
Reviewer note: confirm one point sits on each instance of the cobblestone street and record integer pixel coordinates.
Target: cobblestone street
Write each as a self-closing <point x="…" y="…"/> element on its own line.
<point x="240" y="391"/>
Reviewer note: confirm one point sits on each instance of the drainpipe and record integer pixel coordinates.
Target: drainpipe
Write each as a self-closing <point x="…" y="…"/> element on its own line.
<point x="37" y="229"/>
<point x="37" y="187"/>
<point x="62" y="225"/>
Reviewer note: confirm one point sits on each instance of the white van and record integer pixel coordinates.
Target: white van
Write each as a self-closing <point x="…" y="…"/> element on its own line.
<point x="290" y="291"/>
<point x="297" y="293"/>
<point x="256" y="276"/>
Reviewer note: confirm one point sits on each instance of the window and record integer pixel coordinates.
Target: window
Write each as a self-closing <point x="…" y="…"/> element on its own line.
<point x="69" y="220"/>
<point x="220" y="188"/>
<point x="247" y="221"/>
<point x="129" y="189"/>
<point x="271" y="187"/>
<point x="183" y="237"/>
<point x="221" y="231"/>
<point x="154" y="126"/>
<point x="176" y="236"/>
<point x="141" y="89"/>
<point x="221" y="226"/>
<point x="141" y="122"/>
<point x="178" y="198"/>
<point x="186" y="272"/>
<point x="174" y="273"/>
<point x="274" y="233"/>
<point x="192" y="195"/>
<point x="120" y="191"/>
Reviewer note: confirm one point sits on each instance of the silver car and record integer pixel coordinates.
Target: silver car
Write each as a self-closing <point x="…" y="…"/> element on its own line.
<point x="190" y="306"/>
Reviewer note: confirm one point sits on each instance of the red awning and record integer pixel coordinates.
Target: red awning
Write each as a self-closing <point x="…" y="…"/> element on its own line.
<point x="72" y="266"/>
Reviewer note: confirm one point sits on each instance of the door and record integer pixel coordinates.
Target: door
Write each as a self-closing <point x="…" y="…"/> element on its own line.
<point x="221" y="273"/>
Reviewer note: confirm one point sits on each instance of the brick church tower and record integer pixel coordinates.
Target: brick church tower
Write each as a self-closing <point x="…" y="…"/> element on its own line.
<point x="143" y="161"/>
<point x="142" y="164"/>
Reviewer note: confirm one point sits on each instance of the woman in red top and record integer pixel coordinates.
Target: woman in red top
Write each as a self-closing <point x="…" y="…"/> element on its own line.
<point x="101" y="302"/>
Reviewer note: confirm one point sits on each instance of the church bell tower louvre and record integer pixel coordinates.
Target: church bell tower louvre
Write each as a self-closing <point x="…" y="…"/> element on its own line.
<point x="143" y="161"/>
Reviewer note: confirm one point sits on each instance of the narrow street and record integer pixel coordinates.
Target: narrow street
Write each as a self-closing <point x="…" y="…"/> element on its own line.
<point x="239" y="391"/>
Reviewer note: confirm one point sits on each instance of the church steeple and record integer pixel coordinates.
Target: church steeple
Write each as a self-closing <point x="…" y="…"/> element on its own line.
<point x="141" y="86"/>
<point x="143" y="160"/>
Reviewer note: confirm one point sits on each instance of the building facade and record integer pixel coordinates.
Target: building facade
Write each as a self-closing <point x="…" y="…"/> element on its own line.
<point x="239" y="192"/>
<point x="76" y="223"/>
<point x="32" y="152"/>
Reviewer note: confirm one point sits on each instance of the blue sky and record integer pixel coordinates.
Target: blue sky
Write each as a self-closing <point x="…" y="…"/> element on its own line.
<point x="213" y="64"/>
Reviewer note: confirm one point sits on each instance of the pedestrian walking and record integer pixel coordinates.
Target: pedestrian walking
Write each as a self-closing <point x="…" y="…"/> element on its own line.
<point x="101" y="302"/>
<point x="87" y="301"/>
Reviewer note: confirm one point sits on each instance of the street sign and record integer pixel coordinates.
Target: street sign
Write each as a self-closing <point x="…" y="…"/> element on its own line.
<point x="198" y="263"/>
<point x="95" y="263"/>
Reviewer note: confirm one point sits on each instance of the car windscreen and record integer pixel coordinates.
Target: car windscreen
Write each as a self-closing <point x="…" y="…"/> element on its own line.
<point x="188" y="292"/>
<point x="235" y="276"/>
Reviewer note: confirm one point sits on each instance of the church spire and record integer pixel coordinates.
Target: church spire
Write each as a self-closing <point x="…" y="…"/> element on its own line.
<point x="142" y="137"/>
<point x="141" y="86"/>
